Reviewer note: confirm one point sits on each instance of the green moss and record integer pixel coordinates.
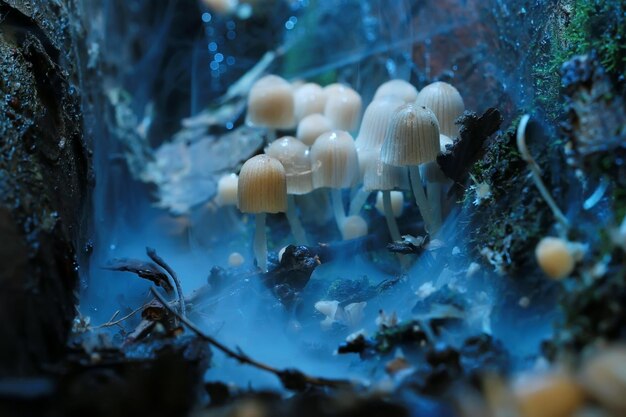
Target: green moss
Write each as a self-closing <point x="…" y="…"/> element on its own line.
<point x="593" y="25"/>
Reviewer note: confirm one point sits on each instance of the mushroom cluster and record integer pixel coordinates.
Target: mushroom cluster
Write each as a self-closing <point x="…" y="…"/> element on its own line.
<point x="399" y="138"/>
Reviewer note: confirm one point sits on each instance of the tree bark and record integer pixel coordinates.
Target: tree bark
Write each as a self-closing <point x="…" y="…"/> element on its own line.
<point x="45" y="182"/>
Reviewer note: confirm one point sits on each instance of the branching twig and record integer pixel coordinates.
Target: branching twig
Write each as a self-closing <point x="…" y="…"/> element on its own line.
<point x="292" y="379"/>
<point x="118" y="321"/>
<point x="159" y="261"/>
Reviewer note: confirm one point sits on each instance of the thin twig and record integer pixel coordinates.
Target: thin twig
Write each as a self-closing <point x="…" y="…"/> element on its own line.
<point x="159" y="261"/>
<point x="291" y="378"/>
<point x="111" y="323"/>
<point x="536" y="171"/>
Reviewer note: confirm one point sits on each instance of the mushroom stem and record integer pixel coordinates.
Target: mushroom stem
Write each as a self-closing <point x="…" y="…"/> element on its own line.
<point x="391" y="219"/>
<point x="294" y="221"/>
<point x="536" y="171"/>
<point x="337" y="201"/>
<point x="358" y="201"/>
<point x="433" y="191"/>
<point x="260" y="242"/>
<point x="420" y="198"/>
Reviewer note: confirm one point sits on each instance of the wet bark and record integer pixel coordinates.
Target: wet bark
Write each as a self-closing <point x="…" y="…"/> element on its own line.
<point x="45" y="180"/>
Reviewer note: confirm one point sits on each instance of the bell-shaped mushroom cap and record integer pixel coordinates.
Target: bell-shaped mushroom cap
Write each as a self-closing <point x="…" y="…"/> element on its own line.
<point x="397" y="88"/>
<point x="311" y="127"/>
<point x="374" y="125"/>
<point x="412" y="138"/>
<point x="309" y="99"/>
<point x="334" y="160"/>
<point x="227" y="190"/>
<point x="295" y="158"/>
<point x="343" y="108"/>
<point x="430" y="171"/>
<point x="262" y="186"/>
<point x="447" y="104"/>
<point x="271" y="104"/>
<point x="376" y="121"/>
<point x="382" y="176"/>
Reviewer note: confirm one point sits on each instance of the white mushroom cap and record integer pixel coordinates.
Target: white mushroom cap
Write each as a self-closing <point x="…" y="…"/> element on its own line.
<point x="309" y="99"/>
<point x="271" y="103"/>
<point x="353" y="227"/>
<point x="447" y="104"/>
<point x="397" y="88"/>
<point x="374" y="126"/>
<point x="412" y="138"/>
<point x="227" y="190"/>
<point x="334" y="160"/>
<point x="381" y="176"/>
<point x="262" y="186"/>
<point x="221" y="6"/>
<point x="311" y="127"/>
<point x="343" y="108"/>
<point x="295" y="158"/>
<point x="397" y="203"/>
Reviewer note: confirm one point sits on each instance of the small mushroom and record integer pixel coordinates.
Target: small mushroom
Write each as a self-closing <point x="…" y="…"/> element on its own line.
<point x="309" y="99"/>
<point x="227" y="190"/>
<point x="335" y="165"/>
<point x="295" y="158"/>
<point x="372" y="132"/>
<point x="604" y="377"/>
<point x="343" y="107"/>
<point x="271" y="105"/>
<point x="447" y="104"/>
<point x="413" y="139"/>
<point x="398" y="89"/>
<point x="397" y="203"/>
<point x="262" y="189"/>
<point x="311" y="127"/>
<point x="557" y="257"/>
<point x="548" y="395"/>
<point x="353" y="227"/>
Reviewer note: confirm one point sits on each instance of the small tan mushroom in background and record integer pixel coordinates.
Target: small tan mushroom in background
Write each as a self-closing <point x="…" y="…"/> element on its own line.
<point x="262" y="189"/>
<point x="397" y="203"/>
<point x="235" y="259"/>
<point x="557" y="257"/>
<point x="548" y="395"/>
<point x="295" y="158"/>
<point x="335" y="166"/>
<point x="343" y="107"/>
<point x="447" y="104"/>
<point x="398" y="89"/>
<point x="309" y="99"/>
<point x="353" y="227"/>
<point x="604" y="377"/>
<point x="374" y="126"/>
<point x="227" y="190"/>
<point x="311" y="127"/>
<point x="271" y="105"/>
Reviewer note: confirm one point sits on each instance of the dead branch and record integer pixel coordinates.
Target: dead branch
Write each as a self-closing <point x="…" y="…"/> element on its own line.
<point x="159" y="261"/>
<point x="291" y="379"/>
